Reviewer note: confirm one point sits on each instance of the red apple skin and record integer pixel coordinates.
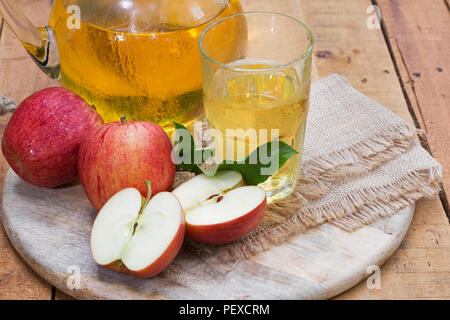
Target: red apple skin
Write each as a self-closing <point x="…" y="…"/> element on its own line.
<point x="116" y="156"/>
<point x="228" y="231"/>
<point x="42" y="138"/>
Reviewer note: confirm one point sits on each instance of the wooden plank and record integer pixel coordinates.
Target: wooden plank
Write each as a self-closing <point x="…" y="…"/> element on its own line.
<point x="420" y="42"/>
<point x="344" y="44"/>
<point x="62" y="296"/>
<point x="420" y="267"/>
<point x="19" y="78"/>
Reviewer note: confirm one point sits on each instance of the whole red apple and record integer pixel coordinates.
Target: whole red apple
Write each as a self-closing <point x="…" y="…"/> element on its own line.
<point x="125" y="154"/>
<point x="42" y="138"/>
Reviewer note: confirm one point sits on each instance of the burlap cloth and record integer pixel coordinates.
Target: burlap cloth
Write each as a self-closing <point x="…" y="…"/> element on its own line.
<point x="361" y="162"/>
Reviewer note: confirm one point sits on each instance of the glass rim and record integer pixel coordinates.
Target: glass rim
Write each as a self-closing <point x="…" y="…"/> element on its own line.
<point x="282" y="66"/>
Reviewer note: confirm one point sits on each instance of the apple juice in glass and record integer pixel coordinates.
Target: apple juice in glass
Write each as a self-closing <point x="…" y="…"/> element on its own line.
<point x="260" y="93"/>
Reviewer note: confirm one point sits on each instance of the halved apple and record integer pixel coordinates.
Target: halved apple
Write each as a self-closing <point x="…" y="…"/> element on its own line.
<point x="219" y="209"/>
<point x="138" y="241"/>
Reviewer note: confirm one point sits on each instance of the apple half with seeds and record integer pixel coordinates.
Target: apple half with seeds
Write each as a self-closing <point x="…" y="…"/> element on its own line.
<point x="220" y="208"/>
<point x="140" y="240"/>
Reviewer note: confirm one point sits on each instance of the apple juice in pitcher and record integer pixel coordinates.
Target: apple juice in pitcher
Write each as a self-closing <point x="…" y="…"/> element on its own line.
<point x="143" y="64"/>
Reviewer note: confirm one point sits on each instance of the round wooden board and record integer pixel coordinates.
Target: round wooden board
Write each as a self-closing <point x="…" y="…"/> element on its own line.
<point x="50" y="229"/>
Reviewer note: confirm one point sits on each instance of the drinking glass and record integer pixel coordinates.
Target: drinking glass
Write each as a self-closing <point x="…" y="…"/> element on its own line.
<point x="259" y="91"/>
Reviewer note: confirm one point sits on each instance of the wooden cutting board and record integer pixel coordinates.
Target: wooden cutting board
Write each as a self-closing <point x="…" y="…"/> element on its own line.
<point x="50" y="229"/>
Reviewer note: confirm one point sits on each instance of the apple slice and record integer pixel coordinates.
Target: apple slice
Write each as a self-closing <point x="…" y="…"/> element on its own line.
<point x="140" y="242"/>
<point x="219" y="209"/>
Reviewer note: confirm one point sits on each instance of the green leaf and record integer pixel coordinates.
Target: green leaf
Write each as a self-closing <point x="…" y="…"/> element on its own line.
<point x="263" y="162"/>
<point x="256" y="168"/>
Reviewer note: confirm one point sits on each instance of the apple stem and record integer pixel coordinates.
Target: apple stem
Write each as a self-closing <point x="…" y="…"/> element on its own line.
<point x="148" y="183"/>
<point x="94" y="107"/>
<point x="123" y="119"/>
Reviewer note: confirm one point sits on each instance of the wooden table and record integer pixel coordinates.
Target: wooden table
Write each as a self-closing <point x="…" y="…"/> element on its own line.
<point x="404" y="65"/>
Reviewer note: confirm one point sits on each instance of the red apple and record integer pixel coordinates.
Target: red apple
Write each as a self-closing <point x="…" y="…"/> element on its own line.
<point x="42" y="138"/>
<point x="125" y="154"/>
<point x="219" y="209"/>
<point x="140" y="242"/>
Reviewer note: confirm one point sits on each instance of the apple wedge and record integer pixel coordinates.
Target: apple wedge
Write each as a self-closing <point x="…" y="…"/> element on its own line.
<point x="219" y="209"/>
<point x="139" y="241"/>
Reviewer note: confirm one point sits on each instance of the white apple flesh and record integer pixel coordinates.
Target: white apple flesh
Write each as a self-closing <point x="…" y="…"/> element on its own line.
<point x="219" y="209"/>
<point x="142" y="244"/>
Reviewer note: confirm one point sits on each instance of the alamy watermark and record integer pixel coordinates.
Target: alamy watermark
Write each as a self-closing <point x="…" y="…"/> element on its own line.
<point x="374" y="20"/>
<point x="74" y="279"/>
<point x="374" y="280"/>
<point x="74" y="19"/>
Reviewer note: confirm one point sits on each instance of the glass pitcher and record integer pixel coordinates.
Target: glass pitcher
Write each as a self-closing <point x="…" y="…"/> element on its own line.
<point x="137" y="58"/>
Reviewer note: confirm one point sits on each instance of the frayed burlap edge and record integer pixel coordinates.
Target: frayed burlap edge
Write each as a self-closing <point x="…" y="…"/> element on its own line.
<point x="427" y="186"/>
<point x="362" y="157"/>
<point x="357" y="208"/>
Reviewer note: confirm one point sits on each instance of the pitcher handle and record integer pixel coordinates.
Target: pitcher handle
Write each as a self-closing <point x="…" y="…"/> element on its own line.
<point x="40" y="43"/>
